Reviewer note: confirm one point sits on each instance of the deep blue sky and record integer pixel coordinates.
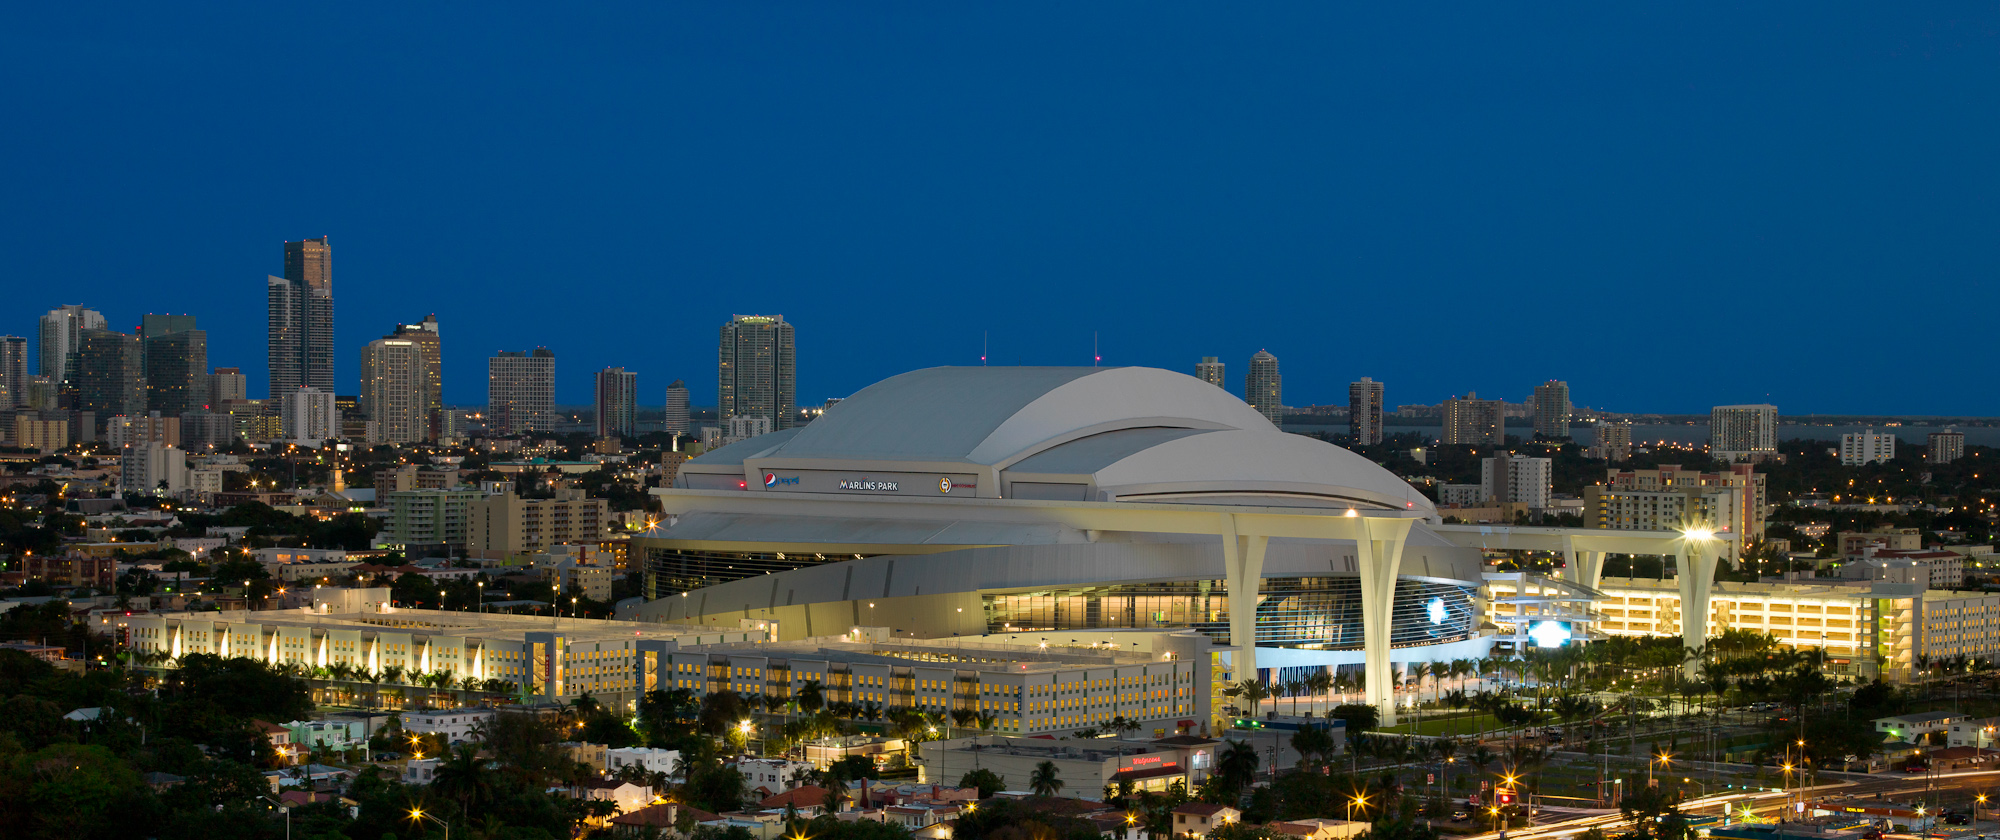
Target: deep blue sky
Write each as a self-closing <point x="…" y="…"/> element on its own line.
<point x="1669" y="208"/>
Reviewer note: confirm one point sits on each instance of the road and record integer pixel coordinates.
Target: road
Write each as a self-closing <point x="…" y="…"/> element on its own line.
<point x="1956" y="790"/>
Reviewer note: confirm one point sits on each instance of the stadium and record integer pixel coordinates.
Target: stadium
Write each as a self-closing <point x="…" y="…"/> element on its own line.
<point x="1029" y="501"/>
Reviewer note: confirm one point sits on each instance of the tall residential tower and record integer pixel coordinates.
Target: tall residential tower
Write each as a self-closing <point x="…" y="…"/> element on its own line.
<point x="425" y="334"/>
<point x="1364" y="411"/>
<point x="1743" y="432"/>
<point x="521" y="392"/>
<point x="757" y="372"/>
<point x="1209" y="370"/>
<point x="62" y="339"/>
<point x="299" y="319"/>
<point x="1552" y="409"/>
<point x="1264" y="389"/>
<point x="678" y="416"/>
<point x="617" y="402"/>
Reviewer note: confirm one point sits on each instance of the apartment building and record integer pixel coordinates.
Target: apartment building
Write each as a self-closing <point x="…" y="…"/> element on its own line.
<point x="506" y="525"/>
<point x="428" y="518"/>
<point x="1867" y="447"/>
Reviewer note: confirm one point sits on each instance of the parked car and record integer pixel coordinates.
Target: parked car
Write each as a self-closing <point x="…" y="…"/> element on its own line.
<point x="1460" y="816"/>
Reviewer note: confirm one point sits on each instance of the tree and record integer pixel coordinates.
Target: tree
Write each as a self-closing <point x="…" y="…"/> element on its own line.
<point x="1360" y="717"/>
<point x="1046" y="780"/>
<point x="464" y="777"/>
<point x="987" y="781"/>
<point x="1253" y="692"/>
<point x="1236" y="767"/>
<point x="1655" y="813"/>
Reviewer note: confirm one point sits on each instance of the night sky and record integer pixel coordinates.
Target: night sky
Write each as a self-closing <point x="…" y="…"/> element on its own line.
<point x="1669" y="208"/>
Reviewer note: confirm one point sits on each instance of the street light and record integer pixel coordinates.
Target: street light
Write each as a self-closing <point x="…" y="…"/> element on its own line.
<point x="1360" y="801"/>
<point x="417" y="815"/>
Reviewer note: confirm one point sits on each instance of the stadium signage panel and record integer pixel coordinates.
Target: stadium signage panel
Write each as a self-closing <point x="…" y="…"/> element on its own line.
<point x="866" y="485"/>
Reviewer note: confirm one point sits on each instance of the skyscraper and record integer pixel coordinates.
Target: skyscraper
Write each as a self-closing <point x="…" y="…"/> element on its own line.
<point x="299" y="318"/>
<point x="1946" y="446"/>
<point x="678" y="416"/>
<point x="1552" y="409"/>
<point x="392" y="388"/>
<point x="617" y="402"/>
<point x="520" y="392"/>
<point x="757" y="371"/>
<point x="1614" y="441"/>
<point x="13" y="371"/>
<point x="108" y="375"/>
<point x="1364" y="411"/>
<point x="425" y="334"/>
<point x="176" y="370"/>
<point x="62" y="339"/>
<point x="1209" y="370"/>
<point x="1471" y="421"/>
<point x="1264" y="389"/>
<point x="1743" y="432"/>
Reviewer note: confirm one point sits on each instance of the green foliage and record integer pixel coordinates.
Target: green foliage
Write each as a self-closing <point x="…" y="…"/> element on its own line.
<point x="1045" y="780"/>
<point x="1360" y="717"/>
<point x="1002" y="819"/>
<point x="714" y="789"/>
<point x="987" y="781"/>
<point x="1655" y="813"/>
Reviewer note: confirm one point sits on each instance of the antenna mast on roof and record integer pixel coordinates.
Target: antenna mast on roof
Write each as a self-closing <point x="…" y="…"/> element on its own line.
<point x="1095" y="356"/>
<point x="982" y="348"/>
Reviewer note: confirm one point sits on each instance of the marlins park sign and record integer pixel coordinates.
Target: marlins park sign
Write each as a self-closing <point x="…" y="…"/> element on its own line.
<point x="858" y="484"/>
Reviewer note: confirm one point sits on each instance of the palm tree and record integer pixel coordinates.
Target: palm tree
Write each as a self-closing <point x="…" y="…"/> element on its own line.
<point x="1046" y="781"/>
<point x="1296" y="688"/>
<point x="464" y="777"/>
<point x="1254" y="692"/>
<point x="1320" y="682"/>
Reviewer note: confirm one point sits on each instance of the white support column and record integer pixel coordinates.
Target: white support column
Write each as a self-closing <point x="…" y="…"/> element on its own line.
<point x="1585" y="567"/>
<point x="1243" y="567"/>
<point x="1379" y="553"/>
<point x="1694" y="568"/>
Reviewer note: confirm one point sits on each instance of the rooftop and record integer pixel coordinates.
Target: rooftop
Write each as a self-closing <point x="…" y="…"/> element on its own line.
<point x="498" y="626"/>
<point x="971" y="656"/>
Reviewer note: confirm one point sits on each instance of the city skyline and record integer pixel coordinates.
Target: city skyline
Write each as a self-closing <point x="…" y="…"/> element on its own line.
<point x="1764" y="176"/>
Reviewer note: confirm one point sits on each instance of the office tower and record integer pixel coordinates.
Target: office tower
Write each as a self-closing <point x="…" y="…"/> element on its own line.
<point x="1471" y="421"/>
<point x="757" y="371"/>
<point x="1946" y="446"/>
<point x="1515" y="479"/>
<point x="62" y="339"/>
<point x="1552" y="409"/>
<point x="108" y="376"/>
<point x="153" y="325"/>
<point x="1264" y="389"/>
<point x="1209" y="370"/>
<point x="1867" y="447"/>
<point x="309" y="416"/>
<point x="392" y="388"/>
<point x="677" y="414"/>
<point x="1614" y="441"/>
<point x="1743" y="432"/>
<point x="13" y="371"/>
<point x="617" y="402"/>
<point x="520" y="392"/>
<point x="43" y="394"/>
<point x="300" y="318"/>
<point x="1364" y="411"/>
<point x="425" y="334"/>
<point x="227" y="384"/>
<point x="176" y="370"/>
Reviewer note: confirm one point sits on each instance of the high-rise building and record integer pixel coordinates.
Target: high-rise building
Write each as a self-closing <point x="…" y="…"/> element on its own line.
<point x="392" y="388"/>
<point x="176" y="369"/>
<point x="300" y="318"/>
<point x="151" y="468"/>
<point x="617" y="402"/>
<point x="1209" y="370"/>
<point x="227" y="384"/>
<point x="13" y="371"/>
<point x="678" y="416"/>
<point x="309" y="416"/>
<point x="1364" y="411"/>
<point x="1552" y="409"/>
<point x="62" y="339"/>
<point x="1743" y="432"/>
<point x="1946" y="446"/>
<point x="1614" y="441"/>
<point x="757" y="371"/>
<point x="1471" y="421"/>
<point x="520" y="392"/>
<point x="108" y="376"/>
<point x="1515" y="479"/>
<point x="425" y="334"/>
<point x="1264" y="389"/>
<point x="1867" y="447"/>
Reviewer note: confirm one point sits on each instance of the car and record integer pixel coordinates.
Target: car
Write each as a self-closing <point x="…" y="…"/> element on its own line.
<point x="1957" y="819"/>
<point x="1460" y="816"/>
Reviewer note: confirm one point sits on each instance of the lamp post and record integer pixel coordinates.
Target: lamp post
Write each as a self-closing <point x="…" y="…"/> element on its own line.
<point x="1357" y="801"/>
<point x="417" y="816"/>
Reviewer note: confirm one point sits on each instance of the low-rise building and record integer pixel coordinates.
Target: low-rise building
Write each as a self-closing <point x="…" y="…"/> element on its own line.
<point x="1200" y="819"/>
<point x="1974" y="732"/>
<point x="71" y="569"/>
<point x="766" y="776"/>
<point x="1086" y="766"/>
<point x="454" y="725"/>
<point x="1914" y="727"/>
<point x="648" y="759"/>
